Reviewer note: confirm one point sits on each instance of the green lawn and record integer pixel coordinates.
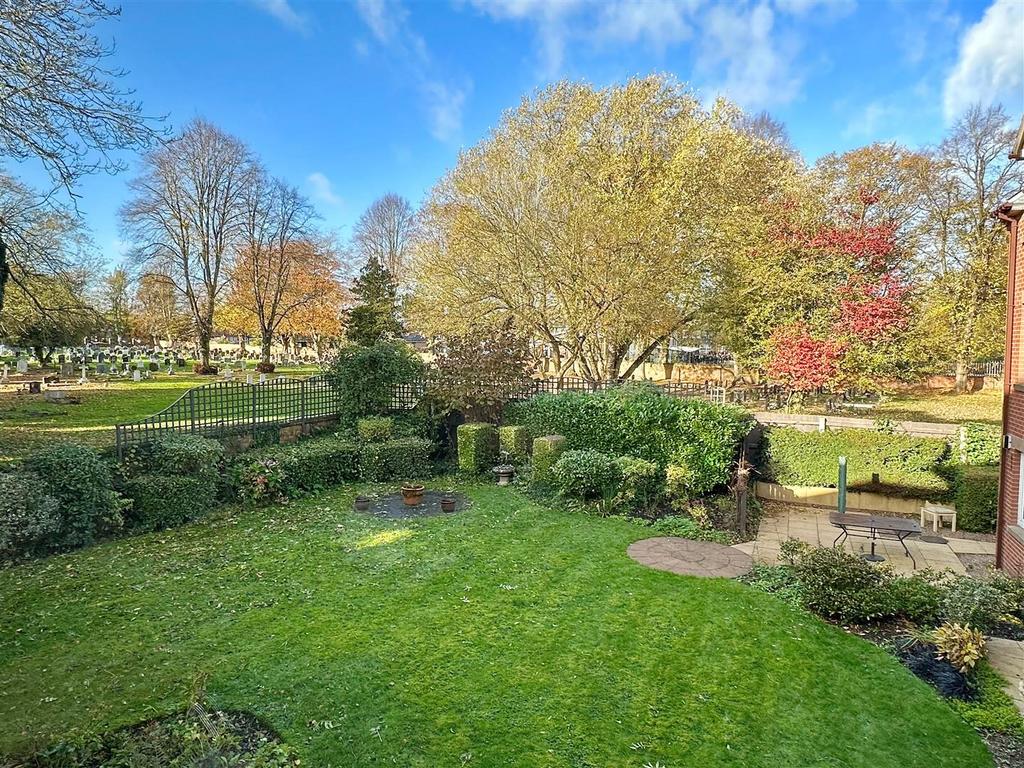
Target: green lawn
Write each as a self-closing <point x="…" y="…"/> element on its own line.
<point x="506" y="635"/>
<point x="27" y="421"/>
<point x="941" y="407"/>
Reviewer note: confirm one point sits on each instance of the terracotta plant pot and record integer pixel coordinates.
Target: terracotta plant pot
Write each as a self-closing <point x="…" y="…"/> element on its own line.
<point x="447" y="504"/>
<point x="362" y="503"/>
<point x="412" y="495"/>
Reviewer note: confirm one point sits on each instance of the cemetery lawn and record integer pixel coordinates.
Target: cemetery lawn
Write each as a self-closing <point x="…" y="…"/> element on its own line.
<point x="28" y="421"/>
<point x="508" y="634"/>
<point x="985" y="406"/>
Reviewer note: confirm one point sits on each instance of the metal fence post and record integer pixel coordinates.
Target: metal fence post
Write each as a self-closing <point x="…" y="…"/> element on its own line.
<point x="192" y="410"/>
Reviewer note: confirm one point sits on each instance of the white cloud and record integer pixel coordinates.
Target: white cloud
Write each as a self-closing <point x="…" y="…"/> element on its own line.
<point x="739" y="47"/>
<point x="741" y="55"/>
<point x="283" y="11"/>
<point x="870" y="122"/>
<point x="991" y="60"/>
<point x="323" y="190"/>
<point x="388" y="22"/>
<point x="444" y="105"/>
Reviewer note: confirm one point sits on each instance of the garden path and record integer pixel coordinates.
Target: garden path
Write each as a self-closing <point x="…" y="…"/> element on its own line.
<point x="690" y="558"/>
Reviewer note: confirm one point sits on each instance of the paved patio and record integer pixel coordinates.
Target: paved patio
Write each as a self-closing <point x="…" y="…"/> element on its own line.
<point x="1007" y="656"/>
<point x="690" y="558"/>
<point x="787" y="521"/>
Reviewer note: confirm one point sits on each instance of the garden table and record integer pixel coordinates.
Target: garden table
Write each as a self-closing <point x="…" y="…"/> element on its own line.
<point x="874" y="527"/>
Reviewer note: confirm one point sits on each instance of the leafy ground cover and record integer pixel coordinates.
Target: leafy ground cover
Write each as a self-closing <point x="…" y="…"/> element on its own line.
<point x="507" y="634"/>
<point x="28" y="421"/>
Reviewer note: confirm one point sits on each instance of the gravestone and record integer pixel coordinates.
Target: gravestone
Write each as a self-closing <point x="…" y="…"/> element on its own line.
<point x="67" y="370"/>
<point x="102" y="368"/>
<point x="136" y="375"/>
<point x="22" y="365"/>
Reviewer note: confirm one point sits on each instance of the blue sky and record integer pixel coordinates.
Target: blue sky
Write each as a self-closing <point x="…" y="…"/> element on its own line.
<point x="352" y="100"/>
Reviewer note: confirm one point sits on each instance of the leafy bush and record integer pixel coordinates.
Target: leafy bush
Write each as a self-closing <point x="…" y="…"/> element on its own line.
<point x="204" y="370"/>
<point x="291" y="471"/>
<point x="181" y="455"/>
<point x="906" y="465"/>
<point x="585" y="474"/>
<point x="960" y="645"/>
<point x="641" y="486"/>
<point x="365" y="378"/>
<point x="262" y="367"/>
<point x="81" y="482"/>
<point x="841" y="585"/>
<point x="1012" y="588"/>
<point x="478" y="447"/>
<point x="404" y="458"/>
<point x="981" y="444"/>
<point x="514" y="441"/>
<point x="976" y="496"/>
<point x="164" y="501"/>
<point x="641" y="421"/>
<point x="917" y="598"/>
<point x="546" y="451"/>
<point x="30" y="521"/>
<point x="973" y="603"/>
<point x="375" y="429"/>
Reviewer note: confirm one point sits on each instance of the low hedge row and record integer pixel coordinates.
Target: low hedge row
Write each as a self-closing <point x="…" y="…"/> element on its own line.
<point x="907" y="466"/>
<point x="477" y="444"/>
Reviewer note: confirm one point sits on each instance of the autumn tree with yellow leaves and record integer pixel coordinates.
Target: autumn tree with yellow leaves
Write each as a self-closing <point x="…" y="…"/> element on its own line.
<point x="596" y="220"/>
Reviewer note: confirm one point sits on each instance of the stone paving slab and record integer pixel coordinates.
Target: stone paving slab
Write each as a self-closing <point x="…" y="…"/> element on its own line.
<point x="1007" y="657"/>
<point x="970" y="547"/>
<point x="690" y="558"/>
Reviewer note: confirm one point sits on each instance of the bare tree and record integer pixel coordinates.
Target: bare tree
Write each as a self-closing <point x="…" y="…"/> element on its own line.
<point x="39" y="238"/>
<point x="187" y="217"/>
<point x="385" y="232"/>
<point x="268" y="273"/>
<point x="59" y="101"/>
<point x="970" y="174"/>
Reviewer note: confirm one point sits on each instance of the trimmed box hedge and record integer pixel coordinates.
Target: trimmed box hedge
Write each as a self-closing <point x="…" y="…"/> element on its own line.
<point x="478" y="447"/>
<point x="906" y="466"/>
<point x="180" y="456"/>
<point x="515" y="440"/>
<point x="546" y="451"/>
<point x="401" y="459"/>
<point x="164" y="501"/>
<point x="976" y="496"/>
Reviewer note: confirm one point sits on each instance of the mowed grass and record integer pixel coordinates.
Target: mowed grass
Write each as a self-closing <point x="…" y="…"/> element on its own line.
<point x="947" y="407"/>
<point x="506" y="635"/>
<point x="28" y="421"/>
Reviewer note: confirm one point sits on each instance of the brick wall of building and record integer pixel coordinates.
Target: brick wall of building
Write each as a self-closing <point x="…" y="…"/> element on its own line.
<point x="1011" y="537"/>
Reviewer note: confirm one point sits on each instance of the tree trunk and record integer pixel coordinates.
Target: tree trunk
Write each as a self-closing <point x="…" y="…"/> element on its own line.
<point x="241" y="345"/>
<point x="266" y="341"/>
<point x="204" y="349"/>
<point x="962" y="375"/>
<point x="5" y="273"/>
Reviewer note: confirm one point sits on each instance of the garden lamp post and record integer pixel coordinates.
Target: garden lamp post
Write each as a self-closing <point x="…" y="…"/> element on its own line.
<point x="842" y="485"/>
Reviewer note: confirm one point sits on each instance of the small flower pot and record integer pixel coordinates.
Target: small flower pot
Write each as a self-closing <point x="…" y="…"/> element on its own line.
<point x="362" y="503"/>
<point x="448" y="504"/>
<point x="412" y="495"/>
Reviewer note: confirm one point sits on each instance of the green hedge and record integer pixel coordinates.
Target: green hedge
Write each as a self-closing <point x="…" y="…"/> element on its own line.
<point x="976" y="496"/>
<point x="30" y="521"/>
<point x="181" y="456"/>
<point x="982" y="444"/>
<point x="376" y="429"/>
<point x="402" y="459"/>
<point x="641" y="421"/>
<point x="641" y="487"/>
<point x="478" y="447"/>
<point x="546" y="451"/>
<point x="514" y="440"/>
<point x="164" y="501"/>
<point x="290" y="471"/>
<point x="82" y="483"/>
<point x="906" y="465"/>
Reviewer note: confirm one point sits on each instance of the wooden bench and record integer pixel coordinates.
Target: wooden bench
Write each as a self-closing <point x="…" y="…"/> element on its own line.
<point x="874" y="527"/>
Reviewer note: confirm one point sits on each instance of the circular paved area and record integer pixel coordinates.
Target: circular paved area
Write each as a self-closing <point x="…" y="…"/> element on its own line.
<point x="690" y="558"/>
<point x="393" y="505"/>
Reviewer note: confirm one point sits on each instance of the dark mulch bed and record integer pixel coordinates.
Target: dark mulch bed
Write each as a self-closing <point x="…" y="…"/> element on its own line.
<point x="393" y="506"/>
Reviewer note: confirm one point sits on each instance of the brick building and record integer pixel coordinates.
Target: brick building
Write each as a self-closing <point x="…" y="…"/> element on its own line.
<point x="1010" y="522"/>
